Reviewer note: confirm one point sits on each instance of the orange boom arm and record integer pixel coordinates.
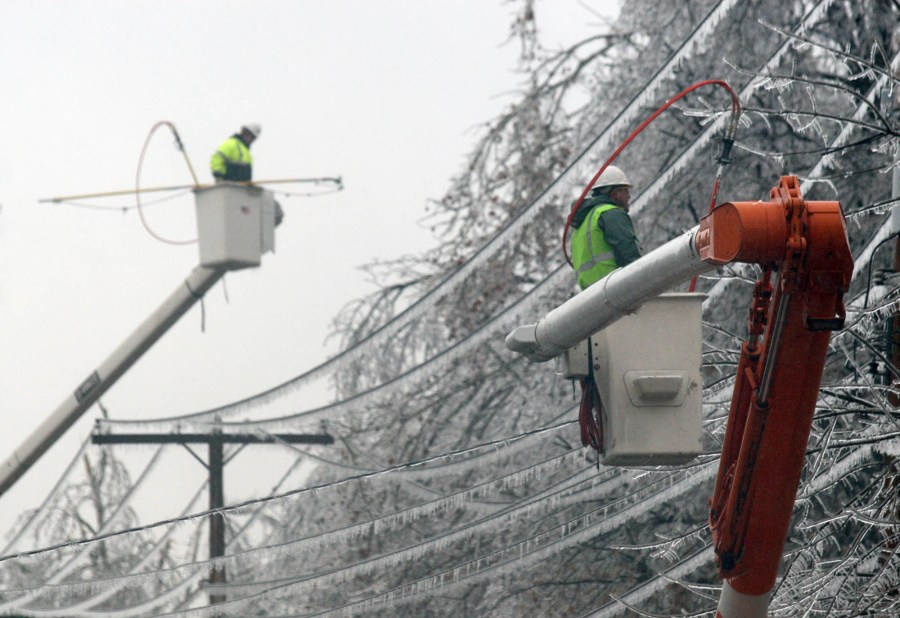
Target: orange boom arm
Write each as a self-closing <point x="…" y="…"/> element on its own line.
<point x="807" y="266"/>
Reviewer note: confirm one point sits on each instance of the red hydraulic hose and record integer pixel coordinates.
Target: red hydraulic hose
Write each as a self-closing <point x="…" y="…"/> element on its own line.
<point x="729" y="139"/>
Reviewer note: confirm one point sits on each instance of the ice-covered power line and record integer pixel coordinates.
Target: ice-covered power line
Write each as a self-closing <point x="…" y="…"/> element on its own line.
<point x="104" y="593"/>
<point x="176" y="581"/>
<point x="104" y="528"/>
<point x="702" y="558"/>
<point x="510" y="447"/>
<point x="422" y="371"/>
<point x="187" y="585"/>
<point x="623" y="603"/>
<point x="38" y="516"/>
<point x="243" y="506"/>
<point x="523" y="553"/>
<point x="519" y="476"/>
<point x="562" y="494"/>
<point x="453" y="577"/>
<point x="579" y="481"/>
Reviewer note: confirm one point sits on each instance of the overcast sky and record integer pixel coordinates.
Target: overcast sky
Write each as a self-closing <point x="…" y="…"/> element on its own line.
<point x="387" y="94"/>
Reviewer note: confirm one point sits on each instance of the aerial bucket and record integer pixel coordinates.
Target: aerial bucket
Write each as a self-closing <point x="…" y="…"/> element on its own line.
<point x="235" y="225"/>
<point x="647" y="369"/>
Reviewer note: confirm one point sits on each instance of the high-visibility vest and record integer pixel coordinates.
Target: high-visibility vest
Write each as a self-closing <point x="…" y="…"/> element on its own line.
<point x="232" y="161"/>
<point x="592" y="256"/>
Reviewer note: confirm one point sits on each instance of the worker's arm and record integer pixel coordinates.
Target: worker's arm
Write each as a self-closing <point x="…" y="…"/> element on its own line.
<point x="217" y="163"/>
<point x="228" y="155"/>
<point x="618" y="230"/>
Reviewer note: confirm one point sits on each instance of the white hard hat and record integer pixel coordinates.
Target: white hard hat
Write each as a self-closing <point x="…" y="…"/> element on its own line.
<point x="612" y="176"/>
<point x="253" y="128"/>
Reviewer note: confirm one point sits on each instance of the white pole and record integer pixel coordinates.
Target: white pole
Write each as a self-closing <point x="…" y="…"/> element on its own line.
<point x="189" y="292"/>
<point x="616" y="295"/>
<point x="734" y="604"/>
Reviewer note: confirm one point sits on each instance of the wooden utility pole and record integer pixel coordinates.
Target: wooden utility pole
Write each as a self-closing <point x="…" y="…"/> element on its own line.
<point x="894" y="355"/>
<point x="216" y="440"/>
<point x="892" y="482"/>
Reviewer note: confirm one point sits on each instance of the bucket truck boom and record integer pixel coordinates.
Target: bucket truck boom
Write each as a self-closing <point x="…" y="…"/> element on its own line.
<point x="807" y="266"/>
<point x="100" y="380"/>
<point x="236" y="226"/>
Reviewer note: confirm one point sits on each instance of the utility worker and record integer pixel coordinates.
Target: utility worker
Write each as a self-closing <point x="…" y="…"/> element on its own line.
<point x="604" y="237"/>
<point x="603" y="240"/>
<point x="233" y="161"/>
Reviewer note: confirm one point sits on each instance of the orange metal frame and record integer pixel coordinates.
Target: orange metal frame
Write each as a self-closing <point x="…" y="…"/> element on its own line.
<point x="803" y="249"/>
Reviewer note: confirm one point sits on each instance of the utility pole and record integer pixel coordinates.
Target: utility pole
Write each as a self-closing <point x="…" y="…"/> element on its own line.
<point x="895" y="318"/>
<point x="892" y="483"/>
<point x="216" y="440"/>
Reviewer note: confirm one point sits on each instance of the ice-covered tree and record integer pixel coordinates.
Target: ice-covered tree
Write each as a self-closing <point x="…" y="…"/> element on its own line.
<point x="818" y="81"/>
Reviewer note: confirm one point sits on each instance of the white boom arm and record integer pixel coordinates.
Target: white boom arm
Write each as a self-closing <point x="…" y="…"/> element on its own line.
<point x="189" y="292"/>
<point x="616" y="295"/>
<point x="236" y="225"/>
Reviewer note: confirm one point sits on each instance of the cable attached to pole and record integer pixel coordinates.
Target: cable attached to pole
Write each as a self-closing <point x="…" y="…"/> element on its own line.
<point x="180" y="145"/>
<point x="137" y="181"/>
<point x="334" y="180"/>
<point x="723" y="159"/>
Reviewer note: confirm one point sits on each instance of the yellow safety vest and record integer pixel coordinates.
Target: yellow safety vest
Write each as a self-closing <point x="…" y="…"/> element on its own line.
<point x="232" y="161"/>
<point x="592" y="256"/>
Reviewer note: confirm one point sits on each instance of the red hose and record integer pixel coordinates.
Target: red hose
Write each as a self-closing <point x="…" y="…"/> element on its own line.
<point x="735" y="111"/>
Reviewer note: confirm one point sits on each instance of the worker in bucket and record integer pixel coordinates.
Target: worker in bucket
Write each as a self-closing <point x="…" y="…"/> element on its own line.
<point x="233" y="161"/>
<point x="603" y="240"/>
<point x="604" y="237"/>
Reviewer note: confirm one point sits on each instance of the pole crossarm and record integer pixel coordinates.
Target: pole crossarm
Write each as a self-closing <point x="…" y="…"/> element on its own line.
<point x="207" y="438"/>
<point x="216" y="440"/>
